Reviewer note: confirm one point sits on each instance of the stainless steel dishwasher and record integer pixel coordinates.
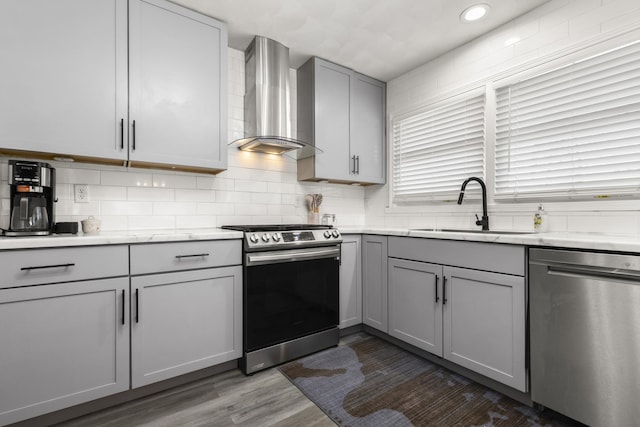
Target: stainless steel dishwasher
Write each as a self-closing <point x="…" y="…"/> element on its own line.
<point x="585" y="335"/>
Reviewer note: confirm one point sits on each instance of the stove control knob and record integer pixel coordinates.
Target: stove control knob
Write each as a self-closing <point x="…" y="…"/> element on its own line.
<point x="253" y="238"/>
<point x="265" y="237"/>
<point x="276" y="237"/>
<point x="335" y="234"/>
<point x="327" y="234"/>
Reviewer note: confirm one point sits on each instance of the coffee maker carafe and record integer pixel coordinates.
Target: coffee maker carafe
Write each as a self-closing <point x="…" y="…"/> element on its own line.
<point x="32" y="188"/>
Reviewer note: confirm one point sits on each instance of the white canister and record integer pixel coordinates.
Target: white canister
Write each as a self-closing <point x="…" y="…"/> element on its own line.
<point x="91" y="225"/>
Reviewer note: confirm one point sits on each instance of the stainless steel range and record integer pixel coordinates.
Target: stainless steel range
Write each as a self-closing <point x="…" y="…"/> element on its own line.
<point x="291" y="292"/>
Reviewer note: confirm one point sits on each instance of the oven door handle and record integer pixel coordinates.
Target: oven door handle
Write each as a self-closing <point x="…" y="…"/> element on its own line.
<point x="292" y="255"/>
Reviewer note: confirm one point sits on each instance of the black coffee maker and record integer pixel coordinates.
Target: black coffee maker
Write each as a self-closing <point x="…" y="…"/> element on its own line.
<point x="32" y="193"/>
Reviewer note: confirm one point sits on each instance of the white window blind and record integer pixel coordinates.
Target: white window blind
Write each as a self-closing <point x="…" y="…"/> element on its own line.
<point x="573" y="131"/>
<point x="436" y="149"/>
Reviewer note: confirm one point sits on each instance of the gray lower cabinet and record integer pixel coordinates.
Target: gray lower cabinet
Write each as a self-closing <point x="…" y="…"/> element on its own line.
<point x="484" y="324"/>
<point x="415" y="304"/>
<point x="471" y="317"/>
<point x="350" y="282"/>
<point x="63" y="343"/>
<point x="374" y="283"/>
<point x="185" y="320"/>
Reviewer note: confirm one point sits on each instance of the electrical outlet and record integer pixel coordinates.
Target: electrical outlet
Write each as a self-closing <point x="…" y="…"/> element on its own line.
<point x="81" y="193"/>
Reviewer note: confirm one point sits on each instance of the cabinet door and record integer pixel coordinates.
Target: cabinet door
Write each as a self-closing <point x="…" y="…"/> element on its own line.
<point x="484" y="324"/>
<point x="415" y="304"/>
<point x="62" y="345"/>
<point x="332" y="118"/>
<point x="368" y="100"/>
<point x="64" y="77"/>
<point x="185" y="321"/>
<point x="350" y="282"/>
<point x="178" y="86"/>
<point x="374" y="285"/>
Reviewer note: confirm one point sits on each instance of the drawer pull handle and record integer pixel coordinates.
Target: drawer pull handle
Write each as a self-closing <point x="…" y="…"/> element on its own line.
<point x="123" y="303"/>
<point x="191" y="256"/>
<point x="134" y="136"/>
<point x="444" y="290"/>
<point x="122" y="134"/>
<point x="40" y="267"/>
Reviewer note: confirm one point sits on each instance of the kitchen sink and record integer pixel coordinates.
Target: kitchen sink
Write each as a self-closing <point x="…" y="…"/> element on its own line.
<point x="462" y="230"/>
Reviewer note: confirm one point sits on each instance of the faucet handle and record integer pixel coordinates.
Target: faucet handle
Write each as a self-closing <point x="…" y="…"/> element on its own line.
<point x="478" y="222"/>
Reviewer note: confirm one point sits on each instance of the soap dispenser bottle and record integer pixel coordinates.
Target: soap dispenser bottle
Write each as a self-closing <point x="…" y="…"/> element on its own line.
<point x="540" y="220"/>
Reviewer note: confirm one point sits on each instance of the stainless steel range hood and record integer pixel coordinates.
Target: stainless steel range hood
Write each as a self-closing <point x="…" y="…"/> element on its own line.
<point x="267" y="105"/>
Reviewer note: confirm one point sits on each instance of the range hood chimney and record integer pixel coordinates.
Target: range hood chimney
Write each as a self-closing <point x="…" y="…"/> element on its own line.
<point x="267" y="106"/>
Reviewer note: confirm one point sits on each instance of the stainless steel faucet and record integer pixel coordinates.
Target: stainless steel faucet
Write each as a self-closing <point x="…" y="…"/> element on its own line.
<point x="484" y="222"/>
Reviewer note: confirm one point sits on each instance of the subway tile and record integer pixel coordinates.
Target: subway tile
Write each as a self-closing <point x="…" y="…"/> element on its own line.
<point x="77" y="176"/>
<point x="248" y="185"/>
<point x="174" y="181"/>
<point x="128" y="179"/>
<point x="152" y="223"/>
<point x="266" y="198"/>
<point x="215" y="209"/>
<point x="195" y="196"/>
<point x="126" y="208"/>
<point x="200" y="221"/>
<point x="105" y="192"/>
<point x="233" y="197"/>
<point x="174" y="208"/>
<point x="150" y="194"/>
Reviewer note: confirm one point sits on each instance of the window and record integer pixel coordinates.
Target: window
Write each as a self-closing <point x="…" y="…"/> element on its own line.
<point x="571" y="132"/>
<point x="437" y="148"/>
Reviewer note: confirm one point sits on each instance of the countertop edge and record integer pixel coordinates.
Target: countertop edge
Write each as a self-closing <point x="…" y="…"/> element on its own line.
<point x="117" y="238"/>
<point x="586" y="241"/>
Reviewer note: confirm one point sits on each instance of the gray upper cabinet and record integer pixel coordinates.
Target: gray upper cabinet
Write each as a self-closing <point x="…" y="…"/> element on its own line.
<point x="177" y="87"/>
<point x="342" y="113"/>
<point x="75" y="82"/>
<point x="367" y="143"/>
<point x="64" y="78"/>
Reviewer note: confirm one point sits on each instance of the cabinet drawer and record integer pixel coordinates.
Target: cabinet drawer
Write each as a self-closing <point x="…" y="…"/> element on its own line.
<point x="164" y="257"/>
<point x="40" y="266"/>
<point x="509" y="259"/>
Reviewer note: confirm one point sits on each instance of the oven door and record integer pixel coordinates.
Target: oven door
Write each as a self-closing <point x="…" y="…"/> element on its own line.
<point x="289" y="294"/>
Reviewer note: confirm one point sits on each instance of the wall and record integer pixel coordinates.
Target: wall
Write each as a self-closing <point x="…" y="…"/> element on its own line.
<point x="256" y="188"/>
<point x="550" y="29"/>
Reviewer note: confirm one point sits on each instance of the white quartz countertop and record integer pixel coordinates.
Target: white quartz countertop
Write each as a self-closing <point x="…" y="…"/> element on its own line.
<point x="118" y="237"/>
<point x="588" y="241"/>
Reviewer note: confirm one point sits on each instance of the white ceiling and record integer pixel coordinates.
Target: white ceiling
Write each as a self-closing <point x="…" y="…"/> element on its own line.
<point x="379" y="38"/>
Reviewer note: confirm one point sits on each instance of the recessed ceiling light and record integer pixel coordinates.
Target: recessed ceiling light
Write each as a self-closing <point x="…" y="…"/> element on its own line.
<point x="474" y="13"/>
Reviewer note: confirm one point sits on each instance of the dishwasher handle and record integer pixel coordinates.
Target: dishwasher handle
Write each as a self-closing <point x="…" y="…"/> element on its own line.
<point x="589" y="272"/>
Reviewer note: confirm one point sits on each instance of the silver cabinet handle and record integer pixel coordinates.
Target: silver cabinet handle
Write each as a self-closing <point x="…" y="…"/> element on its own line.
<point x="192" y="256"/>
<point x="40" y="267"/>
